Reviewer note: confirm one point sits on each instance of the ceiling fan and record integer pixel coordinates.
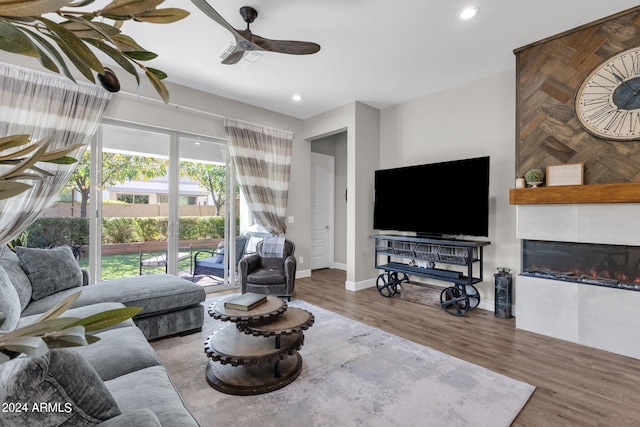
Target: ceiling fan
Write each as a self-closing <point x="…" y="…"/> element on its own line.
<point x="247" y="41"/>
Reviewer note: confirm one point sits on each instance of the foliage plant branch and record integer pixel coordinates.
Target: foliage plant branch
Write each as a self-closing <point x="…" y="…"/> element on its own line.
<point x="20" y="165"/>
<point x="25" y="31"/>
<point x="52" y="331"/>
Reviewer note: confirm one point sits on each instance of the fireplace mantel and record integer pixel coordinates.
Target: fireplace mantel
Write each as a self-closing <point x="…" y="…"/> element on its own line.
<point x="628" y="192"/>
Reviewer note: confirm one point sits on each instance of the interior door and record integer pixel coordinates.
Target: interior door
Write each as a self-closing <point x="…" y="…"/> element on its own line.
<point x="322" y="212"/>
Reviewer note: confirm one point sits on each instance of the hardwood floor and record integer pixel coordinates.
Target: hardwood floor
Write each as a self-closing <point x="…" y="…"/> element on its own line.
<point x="575" y="385"/>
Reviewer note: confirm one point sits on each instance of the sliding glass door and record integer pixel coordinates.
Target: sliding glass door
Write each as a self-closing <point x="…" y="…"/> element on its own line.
<point x="157" y="198"/>
<point x="131" y="177"/>
<point x="203" y="207"/>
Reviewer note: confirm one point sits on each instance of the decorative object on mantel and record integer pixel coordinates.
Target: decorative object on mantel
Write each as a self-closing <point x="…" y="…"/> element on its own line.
<point x="520" y="183"/>
<point x="26" y="31"/>
<point x="565" y="174"/>
<point x="534" y="177"/>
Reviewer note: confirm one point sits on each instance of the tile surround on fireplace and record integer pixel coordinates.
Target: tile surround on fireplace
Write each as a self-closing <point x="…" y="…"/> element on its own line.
<point x="597" y="316"/>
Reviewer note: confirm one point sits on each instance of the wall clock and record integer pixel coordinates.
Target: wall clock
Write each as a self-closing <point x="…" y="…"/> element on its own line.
<point x="608" y="101"/>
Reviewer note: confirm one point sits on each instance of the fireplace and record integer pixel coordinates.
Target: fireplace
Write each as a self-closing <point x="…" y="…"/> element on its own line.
<point x="614" y="266"/>
<point x="579" y="274"/>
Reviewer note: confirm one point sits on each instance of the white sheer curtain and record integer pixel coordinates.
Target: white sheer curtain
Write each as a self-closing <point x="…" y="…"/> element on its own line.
<point x="262" y="160"/>
<point x="42" y="105"/>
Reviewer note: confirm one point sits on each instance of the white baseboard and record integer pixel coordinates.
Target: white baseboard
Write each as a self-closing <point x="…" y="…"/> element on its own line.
<point x="339" y="266"/>
<point x="303" y="273"/>
<point x="359" y="286"/>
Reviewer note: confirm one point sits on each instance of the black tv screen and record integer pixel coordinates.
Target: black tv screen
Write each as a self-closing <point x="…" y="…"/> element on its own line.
<point x="447" y="198"/>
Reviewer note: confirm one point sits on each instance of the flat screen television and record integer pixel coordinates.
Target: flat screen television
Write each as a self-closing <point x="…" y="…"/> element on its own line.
<point x="435" y="199"/>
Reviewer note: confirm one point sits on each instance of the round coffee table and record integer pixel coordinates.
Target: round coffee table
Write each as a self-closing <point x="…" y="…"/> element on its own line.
<point x="246" y="359"/>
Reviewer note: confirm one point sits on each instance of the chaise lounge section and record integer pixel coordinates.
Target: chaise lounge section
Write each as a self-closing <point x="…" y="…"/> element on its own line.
<point x="44" y="277"/>
<point x="117" y="381"/>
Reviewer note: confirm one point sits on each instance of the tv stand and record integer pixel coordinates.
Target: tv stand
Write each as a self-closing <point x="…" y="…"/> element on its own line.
<point x="419" y="256"/>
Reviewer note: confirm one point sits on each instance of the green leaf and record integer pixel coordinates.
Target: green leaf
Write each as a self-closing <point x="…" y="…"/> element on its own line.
<point x="10" y="189"/>
<point x="127" y="8"/>
<point x="107" y="318"/>
<point x="81" y="56"/>
<point x="26" y="163"/>
<point x="25" y="176"/>
<point x="32" y="346"/>
<point x="60" y="152"/>
<point x="162" y="16"/>
<point x="30" y="7"/>
<point x="85" y="29"/>
<point x="39" y="328"/>
<point x="141" y="55"/>
<point x="62" y="306"/>
<point x="15" y="41"/>
<point x="69" y="337"/>
<point x="12" y="141"/>
<point x="126" y="43"/>
<point x="158" y="86"/>
<point x="117" y="56"/>
<point x="158" y="73"/>
<point x="64" y="160"/>
<point x="44" y="44"/>
<point x="91" y="338"/>
<point x="17" y="155"/>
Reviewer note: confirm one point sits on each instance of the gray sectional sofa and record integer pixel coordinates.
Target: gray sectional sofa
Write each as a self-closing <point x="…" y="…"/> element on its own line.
<point x="117" y="381"/>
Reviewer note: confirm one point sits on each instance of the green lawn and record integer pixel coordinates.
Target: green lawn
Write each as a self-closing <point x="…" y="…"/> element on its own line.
<point x="115" y="266"/>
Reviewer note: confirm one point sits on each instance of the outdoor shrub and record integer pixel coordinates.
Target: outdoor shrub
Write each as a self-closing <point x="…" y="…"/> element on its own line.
<point x="151" y="229"/>
<point x="189" y="228"/>
<point x="212" y="227"/>
<point x="56" y="231"/>
<point x="119" y="230"/>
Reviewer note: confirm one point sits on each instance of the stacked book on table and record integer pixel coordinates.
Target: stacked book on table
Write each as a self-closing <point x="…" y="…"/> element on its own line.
<point x="245" y="302"/>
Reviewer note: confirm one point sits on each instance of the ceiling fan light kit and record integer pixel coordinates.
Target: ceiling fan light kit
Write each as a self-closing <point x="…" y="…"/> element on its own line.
<point x="246" y="41"/>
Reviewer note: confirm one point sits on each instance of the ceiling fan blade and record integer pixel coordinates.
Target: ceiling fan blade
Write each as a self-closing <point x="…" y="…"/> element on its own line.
<point x="211" y="13"/>
<point x="290" y="47"/>
<point x="233" y="58"/>
<point x="247" y="41"/>
<point x="242" y="43"/>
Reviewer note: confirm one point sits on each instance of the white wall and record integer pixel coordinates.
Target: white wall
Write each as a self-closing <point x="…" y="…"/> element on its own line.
<point x="471" y="120"/>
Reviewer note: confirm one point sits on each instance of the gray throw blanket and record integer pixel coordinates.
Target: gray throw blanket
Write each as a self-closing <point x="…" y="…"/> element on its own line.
<point x="273" y="247"/>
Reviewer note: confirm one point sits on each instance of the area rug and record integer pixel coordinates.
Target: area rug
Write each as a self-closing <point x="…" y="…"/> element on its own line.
<point x="352" y="375"/>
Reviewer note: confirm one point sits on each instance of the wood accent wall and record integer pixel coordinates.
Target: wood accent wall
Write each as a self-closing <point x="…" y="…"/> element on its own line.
<point x="548" y="74"/>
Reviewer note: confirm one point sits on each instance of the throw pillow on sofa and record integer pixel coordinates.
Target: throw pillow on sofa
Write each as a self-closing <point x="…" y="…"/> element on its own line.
<point x="10" y="262"/>
<point x="50" y="270"/>
<point x="9" y="302"/>
<point x="59" y="388"/>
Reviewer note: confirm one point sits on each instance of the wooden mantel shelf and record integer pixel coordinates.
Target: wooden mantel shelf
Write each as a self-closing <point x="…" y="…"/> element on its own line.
<point x="628" y="192"/>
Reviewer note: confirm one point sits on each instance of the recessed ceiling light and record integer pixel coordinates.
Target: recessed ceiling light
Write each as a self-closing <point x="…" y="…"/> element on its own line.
<point x="296" y="98"/>
<point x="469" y="12"/>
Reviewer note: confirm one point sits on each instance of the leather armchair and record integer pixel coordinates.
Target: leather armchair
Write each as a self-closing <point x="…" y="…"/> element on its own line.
<point x="269" y="275"/>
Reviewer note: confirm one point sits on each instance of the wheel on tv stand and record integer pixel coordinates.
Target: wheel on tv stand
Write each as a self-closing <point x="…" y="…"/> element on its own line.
<point x="387" y="284"/>
<point x="454" y="300"/>
<point x="474" y="296"/>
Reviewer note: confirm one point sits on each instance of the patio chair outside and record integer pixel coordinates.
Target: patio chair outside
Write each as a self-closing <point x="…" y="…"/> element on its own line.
<point x="211" y="263"/>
